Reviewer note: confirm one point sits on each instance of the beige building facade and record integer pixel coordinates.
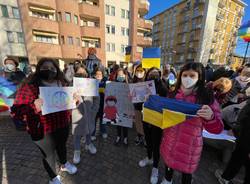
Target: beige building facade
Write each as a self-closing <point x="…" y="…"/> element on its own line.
<point x="198" y="30"/>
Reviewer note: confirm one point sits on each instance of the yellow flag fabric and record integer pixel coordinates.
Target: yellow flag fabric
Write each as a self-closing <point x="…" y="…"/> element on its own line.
<point x="151" y="62"/>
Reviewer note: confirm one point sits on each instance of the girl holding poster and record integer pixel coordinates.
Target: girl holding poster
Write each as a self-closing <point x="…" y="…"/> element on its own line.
<point x="49" y="132"/>
<point x="83" y="118"/>
<point x="121" y="76"/>
<point x="182" y="144"/>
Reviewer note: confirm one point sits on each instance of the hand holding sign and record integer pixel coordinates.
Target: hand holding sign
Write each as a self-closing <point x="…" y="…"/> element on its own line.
<point x="38" y="104"/>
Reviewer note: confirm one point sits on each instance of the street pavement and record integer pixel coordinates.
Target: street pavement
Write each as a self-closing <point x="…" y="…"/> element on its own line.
<point x="21" y="162"/>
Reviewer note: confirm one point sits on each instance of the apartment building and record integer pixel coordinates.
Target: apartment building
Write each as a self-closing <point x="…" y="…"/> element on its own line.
<point x="11" y="34"/>
<point x="125" y="25"/>
<point x="198" y="30"/>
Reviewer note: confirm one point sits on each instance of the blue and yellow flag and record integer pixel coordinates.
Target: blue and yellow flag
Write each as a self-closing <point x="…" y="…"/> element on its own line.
<point x="165" y="112"/>
<point x="151" y="58"/>
<point x="128" y="54"/>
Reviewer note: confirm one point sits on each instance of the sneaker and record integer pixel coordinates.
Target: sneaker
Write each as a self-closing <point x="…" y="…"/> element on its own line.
<point x="69" y="168"/>
<point x="93" y="138"/>
<point x="166" y="182"/>
<point x="218" y="175"/>
<point x="145" y="162"/>
<point x="137" y="140"/>
<point x="77" y="157"/>
<point x="117" y="141"/>
<point x="55" y="180"/>
<point x="154" y="176"/>
<point x="91" y="148"/>
<point x="104" y="136"/>
<point x="125" y="141"/>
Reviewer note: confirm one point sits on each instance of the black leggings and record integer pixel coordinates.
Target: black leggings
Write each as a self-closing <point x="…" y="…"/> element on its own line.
<point x="51" y="143"/>
<point x="123" y="130"/>
<point x="153" y="136"/>
<point x="186" y="178"/>
<point x="239" y="158"/>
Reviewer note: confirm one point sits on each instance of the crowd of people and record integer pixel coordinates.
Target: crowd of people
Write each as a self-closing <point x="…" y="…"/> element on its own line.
<point x="222" y="93"/>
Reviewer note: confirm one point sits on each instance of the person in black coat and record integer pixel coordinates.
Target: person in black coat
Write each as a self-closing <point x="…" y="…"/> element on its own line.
<point x="241" y="154"/>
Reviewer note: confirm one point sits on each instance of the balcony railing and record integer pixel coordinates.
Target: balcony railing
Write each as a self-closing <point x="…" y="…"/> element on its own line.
<point x="220" y="17"/>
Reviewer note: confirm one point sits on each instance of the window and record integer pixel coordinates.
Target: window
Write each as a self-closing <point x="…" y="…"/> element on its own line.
<point x="112" y="10"/>
<point x="40" y="15"/>
<point x="127" y="32"/>
<point x="108" y="47"/>
<point x="123" y="30"/>
<point x="123" y="48"/>
<point x="70" y="40"/>
<point x="59" y="16"/>
<point x="44" y="39"/>
<point x="68" y="17"/>
<point x="107" y="9"/>
<point x="113" y="47"/>
<point x="128" y="14"/>
<point x="4" y="11"/>
<point x="20" y="37"/>
<point x="108" y="29"/>
<point x="10" y="36"/>
<point x="123" y="12"/>
<point x="78" y="43"/>
<point x="15" y="12"/>
<point x="62" y="40"/>
<point x="76" y="19"/>
<point x="113" y="29"/>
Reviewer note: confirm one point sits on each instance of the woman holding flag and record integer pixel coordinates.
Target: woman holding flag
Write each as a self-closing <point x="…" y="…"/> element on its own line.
<point x="182" y="144"/>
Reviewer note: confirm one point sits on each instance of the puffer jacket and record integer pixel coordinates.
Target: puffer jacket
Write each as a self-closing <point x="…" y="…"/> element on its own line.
<point x="181" y="145"/>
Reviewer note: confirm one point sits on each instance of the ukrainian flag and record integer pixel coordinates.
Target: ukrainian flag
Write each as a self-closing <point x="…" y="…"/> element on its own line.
<point x="164" y="112"/>
<point x="128" y="54"/>
<point x="151" y="58"/>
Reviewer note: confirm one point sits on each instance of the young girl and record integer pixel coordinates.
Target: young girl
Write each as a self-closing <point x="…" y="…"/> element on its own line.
<point x="49" y="132"/>
<point x="152" y="133"/>
<point x="182" y="144"/>
<point x="139" y="76"/>
<point x="99" y="75"/>
<point x="83" y="118"/>
<point x="121" y="76"/>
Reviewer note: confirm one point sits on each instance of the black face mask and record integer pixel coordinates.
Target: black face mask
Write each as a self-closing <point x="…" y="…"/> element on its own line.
<point x="47" y="74"/>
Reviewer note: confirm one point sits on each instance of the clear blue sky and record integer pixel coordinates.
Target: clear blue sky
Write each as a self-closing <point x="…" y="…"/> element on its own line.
<point x="157" y="6"/>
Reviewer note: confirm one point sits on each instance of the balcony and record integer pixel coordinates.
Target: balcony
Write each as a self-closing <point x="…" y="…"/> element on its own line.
<point x="46" y="50"/>
<point x="219" y="17"/>
<point x="212" y="51"/>
<point x="216" y="30"/>
<point x="200" y="14"/>
<point x="184" y="20"/>
<point x="91" y="31"/>
<point x="199" y="2"/>
<point x="185" y="9"/>
<point x="144" y="41"/>
<point x="145" y="24"/>
<point x="214" y="40"/>
<point x="191" y="49"/>
<point x="143" y="7"/>
<point x="241" y="13"/>
<point x="44" y="24"/>
<point x="91" y="10"/>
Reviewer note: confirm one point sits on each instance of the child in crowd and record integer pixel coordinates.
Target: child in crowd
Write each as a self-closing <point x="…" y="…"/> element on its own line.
<point x="83" y="118"/>
<point x="152" y="133"/>
<point x="99" y="75"/>
<point x="182" y="144"/>
<point x="121" y="76"/>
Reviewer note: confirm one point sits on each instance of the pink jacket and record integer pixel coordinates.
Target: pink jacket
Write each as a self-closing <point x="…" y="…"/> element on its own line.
<point x="182" y="144"/>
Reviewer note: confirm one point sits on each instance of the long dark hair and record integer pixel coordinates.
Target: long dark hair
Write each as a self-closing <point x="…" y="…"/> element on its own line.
<point x="135" y="78"/>
<point x="35" y="78"/>
<point x="204" y="95"/>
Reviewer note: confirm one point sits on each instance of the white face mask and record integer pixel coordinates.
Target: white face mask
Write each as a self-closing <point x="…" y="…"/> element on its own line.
<point x="10" y="67"/>
<point x="140" y="75"/>
<point x="188" y="82"/>
<point x="248" y="91"/>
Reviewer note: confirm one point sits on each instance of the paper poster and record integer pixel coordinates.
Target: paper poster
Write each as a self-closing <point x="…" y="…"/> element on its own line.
<point x="56" y="99"/>
<point x="222" y="136"/>
<point x="140" y="92"/>
<point x="118" y="109"/>
<point x="86" y="86"/>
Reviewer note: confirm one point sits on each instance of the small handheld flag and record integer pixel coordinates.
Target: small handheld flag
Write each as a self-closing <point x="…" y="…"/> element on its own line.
<point x="151" y="58"/>
<point x="128" y="54"/>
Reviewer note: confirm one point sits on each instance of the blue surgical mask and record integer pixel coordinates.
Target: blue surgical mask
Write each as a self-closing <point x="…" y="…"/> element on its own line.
<point x="120" y="78"/>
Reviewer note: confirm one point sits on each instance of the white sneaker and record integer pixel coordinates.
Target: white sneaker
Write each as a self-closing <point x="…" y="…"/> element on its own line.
<point x="55" y="180"/>
<point x="145" y="162"/>
<point x="154" y="176"/>
<point x="93" y="138"/>
<point x="166" y="182"/>
<point x="91" y="148"/>
<point x="221" y="180"/>
<point x="77" y="157"/>
<point x="105" y="136"/>
<point x="69" y="168"/>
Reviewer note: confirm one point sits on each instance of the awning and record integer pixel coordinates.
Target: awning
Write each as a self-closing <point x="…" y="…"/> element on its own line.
<point x="90" y="39"/>
<point x="40" y="9"/>
<point x="45" y="33"/>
